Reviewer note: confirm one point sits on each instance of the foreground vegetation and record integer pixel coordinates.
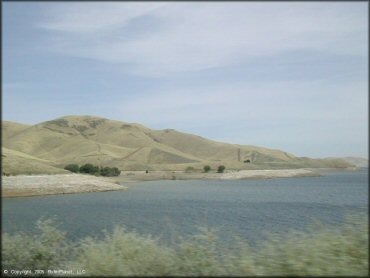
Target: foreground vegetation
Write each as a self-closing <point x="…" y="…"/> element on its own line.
<point x="323" y="251"/>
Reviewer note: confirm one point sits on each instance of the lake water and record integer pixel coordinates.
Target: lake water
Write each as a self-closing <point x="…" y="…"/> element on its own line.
<point x="246" y="208"/>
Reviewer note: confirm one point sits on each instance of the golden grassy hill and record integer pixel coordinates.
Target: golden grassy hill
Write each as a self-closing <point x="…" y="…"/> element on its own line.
<point x="16" y="163"/>
<point x="11" y="128"/>
<point x="91" y="139"/>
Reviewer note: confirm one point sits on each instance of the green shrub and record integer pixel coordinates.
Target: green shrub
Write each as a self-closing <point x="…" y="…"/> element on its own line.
<point x="125" y="254"/>
<point x="105" y="171"/>
<point x="322" y="251"/>
<point x="221" y="169"/>
<point x="46" y="249"/>
<point x="207" y="168"/>
<point x="203" y="255"/>
<point x="89" y="169"/>
<point x="189" y="169"/>
<point x="73" y="168"/>
<point x="116" y="171"/>
<point x="110" y="172"/>
<point x="94" y="170"/>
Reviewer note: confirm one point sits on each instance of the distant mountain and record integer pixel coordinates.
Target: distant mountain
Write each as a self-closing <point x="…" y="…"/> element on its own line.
<point x="128" y="146"/>
<point x="357" y="161"/>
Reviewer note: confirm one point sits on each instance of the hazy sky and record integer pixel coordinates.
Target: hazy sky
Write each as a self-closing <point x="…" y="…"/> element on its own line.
<point x="285" y="75"/>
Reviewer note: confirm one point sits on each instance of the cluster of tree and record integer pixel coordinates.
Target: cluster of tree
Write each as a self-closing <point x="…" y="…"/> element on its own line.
<point x="220" y="168"/>
<point x="189" y="169"/>
<point x="91" y="169"/>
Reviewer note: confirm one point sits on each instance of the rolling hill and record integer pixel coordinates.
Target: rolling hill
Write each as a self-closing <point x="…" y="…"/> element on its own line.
<point x="90" y="139"/>
<point x="12" y="128"/>
<point x="357" y="161"/>
<point x="14" y="162"/>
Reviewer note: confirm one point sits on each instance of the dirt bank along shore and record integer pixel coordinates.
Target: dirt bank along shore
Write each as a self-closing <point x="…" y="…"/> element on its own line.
<point x="135" y="176"/>
<point x="17" y="186"/>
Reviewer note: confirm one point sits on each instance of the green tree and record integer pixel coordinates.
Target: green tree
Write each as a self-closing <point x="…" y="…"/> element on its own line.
<point x="116" y="171"/>
<point x="105" y="171"/>
<point x="110" y="172"/>
<point x="207" y="168"/>
<point x="89" y="169"/>
<point x="73" y="168"/>
<point x="189" y="169"/>
<point x="221" y="169"/>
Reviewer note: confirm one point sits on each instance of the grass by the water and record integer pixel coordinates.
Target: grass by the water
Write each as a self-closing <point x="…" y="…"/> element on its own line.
<point x="323" y="250"/>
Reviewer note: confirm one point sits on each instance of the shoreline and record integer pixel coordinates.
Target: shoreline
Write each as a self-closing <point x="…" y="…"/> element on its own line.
<point x="142" y="176"/>
<point x="59" y="184"/>
<point x="40" y="185"/>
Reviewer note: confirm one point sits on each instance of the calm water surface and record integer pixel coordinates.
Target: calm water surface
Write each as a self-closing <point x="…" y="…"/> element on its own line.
<point x="171" y="208"/>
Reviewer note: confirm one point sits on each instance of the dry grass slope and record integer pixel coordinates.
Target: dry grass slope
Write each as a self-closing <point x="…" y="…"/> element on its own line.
<point x="92" y="139"/>
<point x="11" y="128"/>
<point x="17" y="163"/>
